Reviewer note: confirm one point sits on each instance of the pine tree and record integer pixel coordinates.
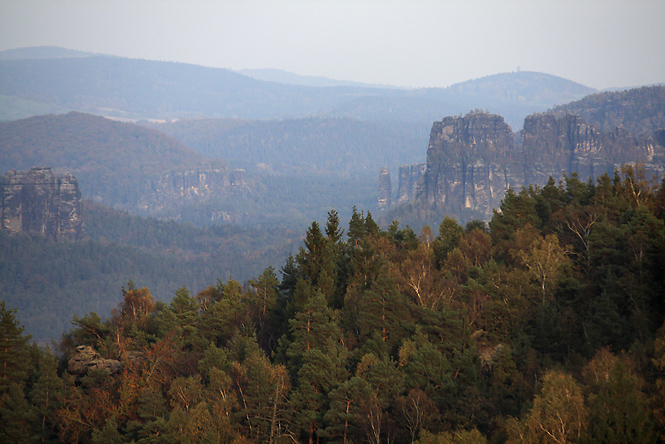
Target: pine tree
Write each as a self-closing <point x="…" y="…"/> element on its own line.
<point x="181" y="318"/>
<point x="47" y="395"/>
<point x="18" y="418"/>
<point x="449" y="236"/>
<point x="264" y="306"/>
<point x="334" y="231"/>
<point x="352" y="407"/>
<point x="357" y="230"/>
<point x="14" y="355"/>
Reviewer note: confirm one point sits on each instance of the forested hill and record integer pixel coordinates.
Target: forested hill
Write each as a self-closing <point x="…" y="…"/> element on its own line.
<point x="147" y="172"/>
<point x="525" y="87"/>
<point x="111" y="160"/>
<point x="77" y="141"/>
<point x="335" y="146"/>
<point x="545" y="326"/>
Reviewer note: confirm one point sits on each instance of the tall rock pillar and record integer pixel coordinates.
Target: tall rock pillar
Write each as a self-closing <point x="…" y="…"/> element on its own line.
<point x="385" y="189"/>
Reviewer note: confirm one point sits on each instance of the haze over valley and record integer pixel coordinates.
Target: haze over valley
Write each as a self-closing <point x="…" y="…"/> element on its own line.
<point x="333" y="222"/>
<point x="210" y="146"/>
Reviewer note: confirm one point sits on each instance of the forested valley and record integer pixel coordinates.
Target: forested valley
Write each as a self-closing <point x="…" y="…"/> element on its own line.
<point x="543" y="326"/>
<point x="49" y="281"/>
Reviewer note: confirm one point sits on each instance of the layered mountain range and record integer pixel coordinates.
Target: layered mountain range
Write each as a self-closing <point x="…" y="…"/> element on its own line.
<point x="48" y="80"/>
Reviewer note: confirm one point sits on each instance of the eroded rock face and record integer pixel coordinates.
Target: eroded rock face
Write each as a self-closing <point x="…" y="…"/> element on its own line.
<point x="409" y="175"/>
<point x="37" y="201"/>
<point x="175" y="188"/>
<point x="385" y="189"/>
<point x="473" y="160"/>
<point x="85" y="359"/>
<point x="470" y="164"/>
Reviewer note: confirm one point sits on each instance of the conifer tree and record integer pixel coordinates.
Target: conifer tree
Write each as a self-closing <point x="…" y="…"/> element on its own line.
<point x="333" y="230"/>
<point x="47" y="395"/>
<point x="449" y="236"/>
<point x="14" y="355"/>
<point x="264" y="306"/>
<point x="19" y="420"/>
<point x="357" y="230"/>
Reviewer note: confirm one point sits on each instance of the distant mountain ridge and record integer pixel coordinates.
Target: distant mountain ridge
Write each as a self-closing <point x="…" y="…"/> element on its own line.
<point x="289" y="78"/>
<point x="144" y="89"/>
<point x="524" y="87"/>
<point x="42" y="52"/>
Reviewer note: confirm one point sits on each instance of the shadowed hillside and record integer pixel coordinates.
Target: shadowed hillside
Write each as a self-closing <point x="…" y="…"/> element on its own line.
<point x="112" y="160"/>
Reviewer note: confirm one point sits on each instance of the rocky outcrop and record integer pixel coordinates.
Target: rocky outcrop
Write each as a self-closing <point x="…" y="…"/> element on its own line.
<point x="470" y="164"/>
<point x="409" y="175"/>
<point x="85" y="359"/>
<point x="174" y="189"/>
<point x="37" y="201"/>
<point x="473" y="160"/>
<point x="385" y="189"/>
<point x="552" y="144"/>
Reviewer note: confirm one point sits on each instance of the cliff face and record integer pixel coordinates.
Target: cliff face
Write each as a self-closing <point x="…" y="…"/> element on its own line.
<point x="551" y="144"/>
<point x="469" y="164"/>
<point x="37" y="201"/>
<point x="174" y="189"/>
<point x="385" y="189"/>
<point x="409" y="175"/>
<point x="473" y="160"/>
<point x="640" y="110"/>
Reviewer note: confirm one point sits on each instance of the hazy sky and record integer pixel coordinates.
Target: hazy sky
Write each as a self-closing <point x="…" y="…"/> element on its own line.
<point x="599" y="43"/>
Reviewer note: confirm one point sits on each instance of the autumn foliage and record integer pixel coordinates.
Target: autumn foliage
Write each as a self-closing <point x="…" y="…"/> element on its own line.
<point x="544" y="326"/>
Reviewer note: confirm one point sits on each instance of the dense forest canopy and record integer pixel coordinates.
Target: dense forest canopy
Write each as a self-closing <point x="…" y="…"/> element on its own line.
<point x="326" y="146"/>
<point x="48" y="281"/>
<point x="546" y="325"/>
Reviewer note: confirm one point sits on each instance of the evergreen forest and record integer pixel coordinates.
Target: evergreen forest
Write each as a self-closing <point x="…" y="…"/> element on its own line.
<point x="544" y="325"/>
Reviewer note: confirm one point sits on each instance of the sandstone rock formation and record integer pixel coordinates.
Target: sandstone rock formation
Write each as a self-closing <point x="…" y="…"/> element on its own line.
<point x="37" y="201"/>
<point x="473" y="160"/>
<point x="551" y="144"/>
<point x="470" y="164"/>
<point x="385" y="189"/>
<point x="407" y="185"/>
<point x="85" y="359"/>
<point x="409" y="175"/>
<point x="176" y="188"/>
